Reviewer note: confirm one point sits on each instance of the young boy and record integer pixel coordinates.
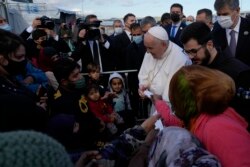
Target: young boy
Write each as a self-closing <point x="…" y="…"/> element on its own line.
<point x="94" y="77"/>
<point x="121" y="102"/>
<point x="101" y="109"/>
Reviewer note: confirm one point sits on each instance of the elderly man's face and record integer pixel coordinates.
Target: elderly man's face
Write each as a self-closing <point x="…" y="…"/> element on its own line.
<point x="154" y="46"/>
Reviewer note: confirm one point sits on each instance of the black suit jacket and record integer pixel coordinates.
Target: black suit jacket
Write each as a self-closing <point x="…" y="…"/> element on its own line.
<point x="176" y="39"/>
<point x="243" y="43"/>
<point x="83" y="52"/>
<point x="120" y="44"/>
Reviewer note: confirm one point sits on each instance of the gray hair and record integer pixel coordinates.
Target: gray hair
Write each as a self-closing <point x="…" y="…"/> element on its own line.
<point x="148" y="20"/>
<point x="232" y="4"/>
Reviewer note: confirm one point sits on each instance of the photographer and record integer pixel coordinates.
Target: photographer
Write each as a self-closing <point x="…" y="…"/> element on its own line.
<point x="43" y="35"/>
<point x="92" y="47"/>
<point x="65" y="33"/>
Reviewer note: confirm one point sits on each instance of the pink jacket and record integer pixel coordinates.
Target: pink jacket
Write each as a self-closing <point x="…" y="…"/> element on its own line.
<point x="225" y="136"/>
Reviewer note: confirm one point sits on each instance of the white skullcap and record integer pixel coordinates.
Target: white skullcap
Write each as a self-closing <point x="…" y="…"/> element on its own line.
<point x="158" y="32"/>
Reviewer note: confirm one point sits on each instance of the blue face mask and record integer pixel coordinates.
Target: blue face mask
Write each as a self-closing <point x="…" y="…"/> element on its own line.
<point x="137" y="39"/>
<point x="188" y="23"/>
<point x="6" y="27"/>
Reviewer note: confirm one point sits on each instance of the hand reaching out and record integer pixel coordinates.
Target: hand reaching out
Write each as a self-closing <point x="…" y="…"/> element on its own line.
<point x="88" y="158"/>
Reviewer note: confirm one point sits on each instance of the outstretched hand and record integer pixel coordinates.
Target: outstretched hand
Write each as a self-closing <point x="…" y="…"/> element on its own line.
<point x="87" y="158"/>
<point x="149" y="123"/>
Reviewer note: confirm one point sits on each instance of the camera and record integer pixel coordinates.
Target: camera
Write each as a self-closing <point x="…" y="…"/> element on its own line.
<point x="46" y="22"/>
<point x="93" y="32"/>
<point x="82" y="24"/>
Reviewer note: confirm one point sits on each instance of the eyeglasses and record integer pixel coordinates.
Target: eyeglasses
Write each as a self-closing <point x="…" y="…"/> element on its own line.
<point x="192" y="51"/>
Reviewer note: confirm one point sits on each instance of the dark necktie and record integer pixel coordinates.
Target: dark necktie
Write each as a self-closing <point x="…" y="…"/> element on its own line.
<point x="232" y="43"/>
<point x="172" y="34"/>
<point x="95" y="53"/>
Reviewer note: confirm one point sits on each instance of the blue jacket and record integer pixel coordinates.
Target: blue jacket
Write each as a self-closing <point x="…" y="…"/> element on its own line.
<point x="38" y="75"/>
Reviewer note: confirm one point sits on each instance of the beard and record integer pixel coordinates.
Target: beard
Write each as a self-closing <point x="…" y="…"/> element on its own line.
<point x="206" y="59"/>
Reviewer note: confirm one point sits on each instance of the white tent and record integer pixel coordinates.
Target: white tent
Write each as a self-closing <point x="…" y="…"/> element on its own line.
<point x="21" y="14"/>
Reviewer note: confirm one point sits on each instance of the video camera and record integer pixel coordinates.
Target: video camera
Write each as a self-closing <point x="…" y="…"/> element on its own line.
<point x="93" y="32"/>
<point x="46" y="22"/>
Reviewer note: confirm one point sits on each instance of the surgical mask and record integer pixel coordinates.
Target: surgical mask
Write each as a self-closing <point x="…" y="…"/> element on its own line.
<point x="137" y="39"/>
<point x="118" y="30"/>
<point x="188" y="22"/>
<point x="225" y="21"/>
<point x="79" y="84"/>
<point x="6" y="27"/>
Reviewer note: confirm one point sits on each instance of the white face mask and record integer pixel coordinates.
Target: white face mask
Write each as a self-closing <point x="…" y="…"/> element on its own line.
<point x="118" y="30"/>
<point x="225" y="21"/>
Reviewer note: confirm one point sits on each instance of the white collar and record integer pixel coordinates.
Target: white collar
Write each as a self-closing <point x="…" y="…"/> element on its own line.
<point x="177" y="24"/>
<point x="236" y="28"/>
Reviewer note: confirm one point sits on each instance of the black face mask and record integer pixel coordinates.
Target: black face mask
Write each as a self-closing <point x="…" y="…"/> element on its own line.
<point x="44" y="43"/>
<point x="15" y="68"/>
<point x="175" y="17"/>
<point x="93" y="34"/>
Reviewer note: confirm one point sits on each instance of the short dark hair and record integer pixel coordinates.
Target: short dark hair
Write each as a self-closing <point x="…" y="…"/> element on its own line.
<point x="91" y="86"/>
<point x="63" y="68"/>
<point x="177" y="5"/>
<point x="9" y="42"/>
<point x="92" y="67"/>
<point x="88" y="17"/>
<point x="198" y="31"/>
<point x="232" y="4"/>
<point x="134" y="26"/>
<point x="208" y="12"/>
<point x="36" y="34"/>
<point x="165" y="16"/>
<point x="125" y="18"/>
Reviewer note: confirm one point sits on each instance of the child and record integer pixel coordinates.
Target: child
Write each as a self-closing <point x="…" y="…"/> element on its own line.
<point x="101" y="109"/>
<point x="121" y="100"/>
<point x="94" y="77"/>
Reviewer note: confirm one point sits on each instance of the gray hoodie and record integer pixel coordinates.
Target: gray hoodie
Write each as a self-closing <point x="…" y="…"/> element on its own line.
<point x="121" y="102"/>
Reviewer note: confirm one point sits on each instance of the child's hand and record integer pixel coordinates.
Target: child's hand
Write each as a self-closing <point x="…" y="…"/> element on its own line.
<point x="108" y="95"/>
<point x="113" y="95"/>
<point x="112" y="117"/>
<point x="28" y="80"/>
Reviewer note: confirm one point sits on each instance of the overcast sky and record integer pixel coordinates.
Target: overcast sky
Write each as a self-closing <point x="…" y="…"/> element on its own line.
<point x="105" y="9"/>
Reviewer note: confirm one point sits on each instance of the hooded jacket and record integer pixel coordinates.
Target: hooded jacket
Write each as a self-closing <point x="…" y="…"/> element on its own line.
<point x="121" y="102"/>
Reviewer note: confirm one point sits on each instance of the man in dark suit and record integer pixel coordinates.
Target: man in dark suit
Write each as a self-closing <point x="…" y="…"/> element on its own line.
<point x="122" y="41"/>
<point x="232" y="31"/>
<point x="174" y="30"/>
<point x="118" y="28"/>
<point x="92" y="47"/>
